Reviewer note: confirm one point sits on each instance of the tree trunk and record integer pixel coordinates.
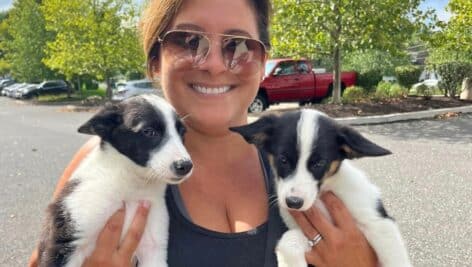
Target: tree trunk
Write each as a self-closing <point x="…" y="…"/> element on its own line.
<point x="109" y="89"/>
<point x="337" y="75"/>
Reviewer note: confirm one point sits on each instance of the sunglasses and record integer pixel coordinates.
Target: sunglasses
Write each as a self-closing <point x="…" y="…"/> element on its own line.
<point x="241" y="55"/>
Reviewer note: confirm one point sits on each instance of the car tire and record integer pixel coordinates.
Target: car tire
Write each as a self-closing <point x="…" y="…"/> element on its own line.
<point x="259" y="104"/>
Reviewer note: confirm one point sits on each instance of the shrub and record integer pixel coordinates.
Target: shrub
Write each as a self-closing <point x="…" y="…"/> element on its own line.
<point x="369" y="79"/>
<point x="383" y="90"/>
<point x="452" y="74"/>
<point x="353" y="94"/>
<point x="397" y="91"/>
<point x="424" y="91"/>
<point x="407" y="75"/>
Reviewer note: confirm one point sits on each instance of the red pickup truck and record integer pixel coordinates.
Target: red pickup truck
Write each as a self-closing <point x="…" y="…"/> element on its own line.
<point x="289" y="80"/>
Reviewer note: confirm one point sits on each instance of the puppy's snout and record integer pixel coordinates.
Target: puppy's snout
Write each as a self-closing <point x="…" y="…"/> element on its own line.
<point x="182" y="167"/>
<point x="294" y="202"/>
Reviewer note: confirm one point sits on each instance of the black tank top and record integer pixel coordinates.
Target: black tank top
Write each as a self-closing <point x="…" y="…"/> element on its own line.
<point x="193" y="246"/>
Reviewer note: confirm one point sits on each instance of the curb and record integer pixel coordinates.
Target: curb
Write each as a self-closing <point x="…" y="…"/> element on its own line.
<point x="395" y="117"/>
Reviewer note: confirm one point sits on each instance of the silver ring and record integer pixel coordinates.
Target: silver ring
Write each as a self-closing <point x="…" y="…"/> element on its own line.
<point x="313" y="242"/>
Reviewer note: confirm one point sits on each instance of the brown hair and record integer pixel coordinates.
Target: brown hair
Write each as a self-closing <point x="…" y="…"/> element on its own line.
<point x="158" y="15"/>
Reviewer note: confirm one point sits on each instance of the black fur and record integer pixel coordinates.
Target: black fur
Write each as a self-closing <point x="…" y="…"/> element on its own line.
<point x="118" y="125"/>
<point x="56" y="245"/>
<point x="382" y="212"/>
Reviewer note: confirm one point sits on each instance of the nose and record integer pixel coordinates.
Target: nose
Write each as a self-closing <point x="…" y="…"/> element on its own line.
<point x="214" y="62"/>
<point x="294" y="202"/>
<point x="182" y="167"/>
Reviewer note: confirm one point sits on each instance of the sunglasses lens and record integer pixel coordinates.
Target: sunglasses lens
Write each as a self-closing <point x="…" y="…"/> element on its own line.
<point x="243" y="55"/>
<point x="186" y="45"/>
<point x="190" y="49"/>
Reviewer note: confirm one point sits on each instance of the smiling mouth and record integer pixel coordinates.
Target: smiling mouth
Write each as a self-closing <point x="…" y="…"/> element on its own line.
<point x="211" y="90"/>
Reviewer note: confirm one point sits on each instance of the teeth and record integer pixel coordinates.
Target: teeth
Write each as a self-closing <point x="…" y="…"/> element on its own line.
<point x="211" y="91"/>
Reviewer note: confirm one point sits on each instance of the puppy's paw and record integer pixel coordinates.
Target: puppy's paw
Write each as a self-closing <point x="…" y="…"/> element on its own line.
<point x="291" y="249"/>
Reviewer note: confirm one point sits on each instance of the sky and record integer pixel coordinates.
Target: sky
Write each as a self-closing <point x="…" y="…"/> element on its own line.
<point x="438" y="5"/>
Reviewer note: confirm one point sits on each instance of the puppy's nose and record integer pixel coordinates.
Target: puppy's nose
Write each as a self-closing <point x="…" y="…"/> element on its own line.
<point x="294" y="202"/>
<point x="182" y="167"/>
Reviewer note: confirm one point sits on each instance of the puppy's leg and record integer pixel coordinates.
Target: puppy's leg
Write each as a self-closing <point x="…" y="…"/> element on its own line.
<point x="385" y="238"/>
<point x="152" y="249"/>
<point x="291" y="249"/>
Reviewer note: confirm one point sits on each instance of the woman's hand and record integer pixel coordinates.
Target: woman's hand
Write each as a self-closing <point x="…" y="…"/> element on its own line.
<point x="343" y="244"/>
<point x="109" y="251"/>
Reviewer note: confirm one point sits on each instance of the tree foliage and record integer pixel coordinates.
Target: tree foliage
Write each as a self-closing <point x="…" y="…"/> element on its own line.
<point x="25" y="42"/>
<point x="453" y="42"/>
<point x="4" y="38"/>
<point x="308" y="28"/>
<point x="95" y="37"/>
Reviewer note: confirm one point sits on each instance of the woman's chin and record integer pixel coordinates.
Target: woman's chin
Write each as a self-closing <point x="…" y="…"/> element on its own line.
<point x="216" y="121"/>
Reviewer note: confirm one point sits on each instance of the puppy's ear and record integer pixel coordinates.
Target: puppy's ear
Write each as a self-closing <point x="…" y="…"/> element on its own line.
<point x="354" y="145"/>
<point x="103" y="123"/>
<point x="258" y="132"/>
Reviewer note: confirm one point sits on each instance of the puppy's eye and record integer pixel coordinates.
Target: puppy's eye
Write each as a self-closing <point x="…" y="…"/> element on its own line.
<point x="283" y="159"/>
<point x="320" y="163"/>
<point x="150" y="132"/>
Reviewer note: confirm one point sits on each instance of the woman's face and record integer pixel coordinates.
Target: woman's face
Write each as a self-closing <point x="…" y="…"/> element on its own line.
<point x="211" y="113"/>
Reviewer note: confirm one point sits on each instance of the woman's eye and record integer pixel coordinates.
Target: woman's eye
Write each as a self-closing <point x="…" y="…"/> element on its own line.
<point x="192" y="41"/>
<point x="150" y="132"/>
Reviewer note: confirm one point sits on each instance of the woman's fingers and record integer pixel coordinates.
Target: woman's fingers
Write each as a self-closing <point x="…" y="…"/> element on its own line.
<point x="338" y="211"/>
<point x="135" y="231"/>
<point x="109" y="238"/>
<point x="307" y="227"/>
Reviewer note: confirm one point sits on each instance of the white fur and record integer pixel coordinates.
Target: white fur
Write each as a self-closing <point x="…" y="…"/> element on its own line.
<point x="107" y="178"/>
<point x="355" y="190"/>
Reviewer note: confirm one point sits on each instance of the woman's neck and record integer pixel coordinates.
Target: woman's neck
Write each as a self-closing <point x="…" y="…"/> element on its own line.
<point x="223" y="148"/>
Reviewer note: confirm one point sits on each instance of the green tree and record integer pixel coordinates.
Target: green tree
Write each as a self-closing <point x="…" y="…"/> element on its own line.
<point x="25" y="48"/>
<point x="4" y="38"/>
<point x="95" y="37"/>
<point x="453" y="43"/>
<point x="309" y="28"/>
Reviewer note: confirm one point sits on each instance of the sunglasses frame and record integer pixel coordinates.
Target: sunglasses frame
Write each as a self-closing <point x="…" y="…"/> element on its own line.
<point x="160" y="40"/>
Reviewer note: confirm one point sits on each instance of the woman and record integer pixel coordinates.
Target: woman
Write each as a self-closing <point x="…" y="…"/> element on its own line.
<point x="209" y="56"/>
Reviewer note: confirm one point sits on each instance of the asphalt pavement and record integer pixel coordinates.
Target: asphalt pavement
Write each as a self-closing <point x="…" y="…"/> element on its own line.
<point x="426" y="183"/>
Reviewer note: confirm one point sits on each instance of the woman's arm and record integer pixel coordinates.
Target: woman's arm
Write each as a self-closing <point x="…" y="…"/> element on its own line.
<point x="343" y="244"/>
<point x="109" y="251"/>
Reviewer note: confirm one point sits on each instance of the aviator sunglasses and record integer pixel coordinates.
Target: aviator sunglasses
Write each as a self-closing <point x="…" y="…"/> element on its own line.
<point x="241" y="55"/>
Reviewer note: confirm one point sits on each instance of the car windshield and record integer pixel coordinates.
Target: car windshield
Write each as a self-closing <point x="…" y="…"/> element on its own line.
<point x="269" y="66"/>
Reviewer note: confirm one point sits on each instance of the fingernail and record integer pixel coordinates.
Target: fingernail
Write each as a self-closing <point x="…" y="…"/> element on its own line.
<point x="145" y="204"/>
<point x="122" y="208"/>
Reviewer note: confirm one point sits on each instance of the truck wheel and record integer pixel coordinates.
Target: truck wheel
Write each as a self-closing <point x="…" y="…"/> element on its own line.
<point x="259" y="104"/>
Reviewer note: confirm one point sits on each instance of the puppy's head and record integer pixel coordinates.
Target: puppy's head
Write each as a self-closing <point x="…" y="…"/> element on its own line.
<point x="305" y="148"/>
<point x="147" y="131"/>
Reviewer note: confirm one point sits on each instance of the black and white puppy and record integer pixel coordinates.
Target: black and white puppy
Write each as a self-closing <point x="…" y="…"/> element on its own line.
<point x="309" y="153"/>
<point x="141" y="151"/>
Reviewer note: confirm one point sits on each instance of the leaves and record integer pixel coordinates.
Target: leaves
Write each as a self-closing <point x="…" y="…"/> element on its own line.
<point x="309" y="28"/>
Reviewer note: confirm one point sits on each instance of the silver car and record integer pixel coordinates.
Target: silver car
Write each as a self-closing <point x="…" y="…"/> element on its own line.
<point x="132" y="88"/>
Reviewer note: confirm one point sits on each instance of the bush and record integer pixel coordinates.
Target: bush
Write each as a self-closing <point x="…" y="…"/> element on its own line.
<point x="424" y="91"/>
<point x="353" y="94"/>
<point x="452" y="74"/>
<point x="397" y="91"/>
<point x="407" y="75"/>
<point x="369" y="79"/>
<point x="383" y="90"/>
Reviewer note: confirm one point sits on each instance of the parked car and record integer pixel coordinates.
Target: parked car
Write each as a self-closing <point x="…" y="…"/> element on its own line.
<point x="429" y="78"/>
<point x="132" y="88"/>
<point x="5" y="82"/>
<point x="45" y="88"/>
<point x="25" y="91"/>
<point x="289" y="80"/>
<point x="8" y="91"/>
